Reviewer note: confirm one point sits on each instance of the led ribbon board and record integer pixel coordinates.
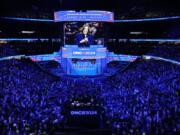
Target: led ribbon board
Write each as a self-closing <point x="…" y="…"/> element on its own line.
<point x="93" y="52"/>
<point x="97" y="16"/>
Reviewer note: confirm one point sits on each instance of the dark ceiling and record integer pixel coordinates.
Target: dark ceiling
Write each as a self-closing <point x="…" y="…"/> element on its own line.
<point x="124" y="7"/>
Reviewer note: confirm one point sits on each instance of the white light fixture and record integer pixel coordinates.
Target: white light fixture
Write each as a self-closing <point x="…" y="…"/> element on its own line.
<point x="136" y="32"/>
<point x="27" y="32"/>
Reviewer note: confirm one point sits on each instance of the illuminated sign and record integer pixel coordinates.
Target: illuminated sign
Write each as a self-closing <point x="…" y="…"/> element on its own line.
<point x="93" y="52"/>
<point x="91" y="15"/>
<point x="82" y="112"/>
<point x="84" y="53"/>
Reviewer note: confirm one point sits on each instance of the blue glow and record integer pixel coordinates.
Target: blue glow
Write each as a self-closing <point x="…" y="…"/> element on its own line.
<point x="162" y="59"/>
<point x="23" y="39"/>
<point x="29" y="19"/>
<point x="123" y="39"/>
<point x="90" y="15"/>
<point x="148" y="19"/>
<point x="120" y="21"/>
<point x="94" y="51"/>
<point x="152" y="40"/>
<point x="84" y="63"/>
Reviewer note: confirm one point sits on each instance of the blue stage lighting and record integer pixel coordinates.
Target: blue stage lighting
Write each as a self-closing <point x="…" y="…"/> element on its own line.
<point x="28" y="19"/>
<point x="148" y="19"/>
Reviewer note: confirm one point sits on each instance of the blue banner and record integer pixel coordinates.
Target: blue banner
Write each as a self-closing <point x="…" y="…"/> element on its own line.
<point x="97" y="16"/>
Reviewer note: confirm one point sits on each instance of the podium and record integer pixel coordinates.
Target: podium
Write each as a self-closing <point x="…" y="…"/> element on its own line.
<point x="83" y="61"/>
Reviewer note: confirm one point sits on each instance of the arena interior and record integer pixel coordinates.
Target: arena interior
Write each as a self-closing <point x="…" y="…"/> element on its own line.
<point x="132" y="90"/>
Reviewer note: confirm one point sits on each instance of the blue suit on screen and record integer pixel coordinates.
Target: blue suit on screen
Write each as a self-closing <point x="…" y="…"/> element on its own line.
<point x="79" y="37"/>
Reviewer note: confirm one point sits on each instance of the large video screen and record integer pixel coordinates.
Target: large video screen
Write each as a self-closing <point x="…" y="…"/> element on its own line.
<point x="75" y="32"/>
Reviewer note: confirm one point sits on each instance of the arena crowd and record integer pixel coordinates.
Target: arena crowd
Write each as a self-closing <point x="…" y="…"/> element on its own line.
<point x="142" y="99"/>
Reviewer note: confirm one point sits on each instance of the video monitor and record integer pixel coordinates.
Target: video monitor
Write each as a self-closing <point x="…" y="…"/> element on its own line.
<point x="75" y="32"/>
